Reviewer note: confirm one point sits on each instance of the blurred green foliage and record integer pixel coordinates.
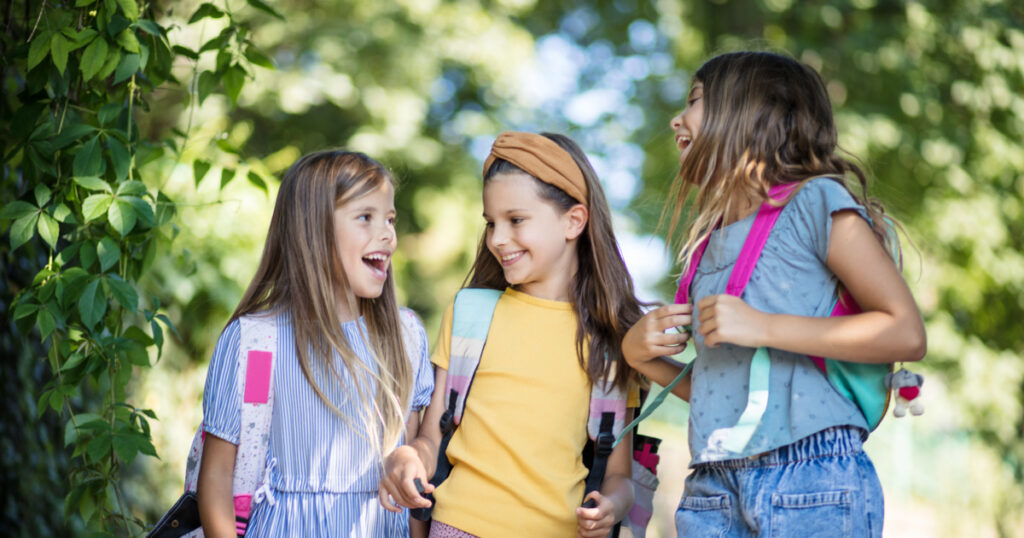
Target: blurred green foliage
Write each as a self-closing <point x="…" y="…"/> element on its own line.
<point x="927" y="94"/>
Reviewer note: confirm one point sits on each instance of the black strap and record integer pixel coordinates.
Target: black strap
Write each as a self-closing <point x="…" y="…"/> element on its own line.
<point x="602" y="449"/>
<point x="444" y="467"/>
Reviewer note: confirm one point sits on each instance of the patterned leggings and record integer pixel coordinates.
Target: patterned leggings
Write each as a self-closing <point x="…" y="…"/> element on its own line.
<point x="440" y="530"/>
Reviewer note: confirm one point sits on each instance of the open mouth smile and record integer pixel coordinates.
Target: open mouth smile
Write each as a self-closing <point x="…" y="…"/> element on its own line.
<point x="378" y="263"/>
<point x="683" y="141"/>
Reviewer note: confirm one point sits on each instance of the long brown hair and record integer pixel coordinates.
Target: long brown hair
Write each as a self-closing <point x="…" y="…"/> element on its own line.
<point x="767" y="120"/>
<point x="300" y="272"/>
<point x="601" y="291"/>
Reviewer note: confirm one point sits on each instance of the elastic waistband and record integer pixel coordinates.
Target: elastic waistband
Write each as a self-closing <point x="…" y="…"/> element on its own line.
<point x="836" y="441"/>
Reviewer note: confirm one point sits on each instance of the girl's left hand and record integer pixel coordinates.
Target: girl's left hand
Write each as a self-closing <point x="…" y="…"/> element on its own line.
<point x="727" y="319"/>
<point x="595" y="522"/>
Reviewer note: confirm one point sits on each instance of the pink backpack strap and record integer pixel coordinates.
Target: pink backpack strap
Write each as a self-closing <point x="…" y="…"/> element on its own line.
<point x="751" y="251"/>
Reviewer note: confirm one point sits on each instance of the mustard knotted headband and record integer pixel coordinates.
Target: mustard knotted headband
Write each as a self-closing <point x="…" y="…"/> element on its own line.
<point x="543" y="159"/>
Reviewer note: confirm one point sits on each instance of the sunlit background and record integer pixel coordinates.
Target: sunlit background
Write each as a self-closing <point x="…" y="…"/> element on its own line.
<point x="928" y="95"/>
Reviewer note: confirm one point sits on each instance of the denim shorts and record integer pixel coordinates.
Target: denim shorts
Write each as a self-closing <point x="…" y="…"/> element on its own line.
<point x="821" y="485"/>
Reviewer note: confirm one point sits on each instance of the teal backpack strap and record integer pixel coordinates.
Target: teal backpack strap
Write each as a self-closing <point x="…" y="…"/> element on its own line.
<point x="471" y="320"/>
<point x="472" y="313"/>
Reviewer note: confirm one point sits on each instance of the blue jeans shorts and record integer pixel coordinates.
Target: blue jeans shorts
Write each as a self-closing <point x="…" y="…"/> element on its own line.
<point x="821" y="485"/>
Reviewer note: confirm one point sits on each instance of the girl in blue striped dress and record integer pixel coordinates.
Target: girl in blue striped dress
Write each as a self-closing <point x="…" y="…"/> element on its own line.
<point x="347" y="385"/>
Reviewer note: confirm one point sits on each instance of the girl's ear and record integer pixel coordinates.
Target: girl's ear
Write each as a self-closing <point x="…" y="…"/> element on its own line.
<point x="576" y="221"/>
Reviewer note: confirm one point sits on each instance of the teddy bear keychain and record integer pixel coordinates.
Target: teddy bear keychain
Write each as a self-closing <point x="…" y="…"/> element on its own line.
<point x="907" y="387"/>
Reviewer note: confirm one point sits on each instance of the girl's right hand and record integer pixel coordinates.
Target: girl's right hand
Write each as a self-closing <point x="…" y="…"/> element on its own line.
<point x="647" y="339"/>
<point x="401" y="467"/>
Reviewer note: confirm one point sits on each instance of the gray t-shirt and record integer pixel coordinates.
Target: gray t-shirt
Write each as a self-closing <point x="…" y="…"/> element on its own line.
<point x="790" y="278"/>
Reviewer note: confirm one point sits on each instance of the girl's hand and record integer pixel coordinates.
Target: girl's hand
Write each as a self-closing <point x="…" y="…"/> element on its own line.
<point x="647" y="339"/>
<point x="727" y="319"/>
<point x="595" y="522"/>
<point x="401" y="467"/>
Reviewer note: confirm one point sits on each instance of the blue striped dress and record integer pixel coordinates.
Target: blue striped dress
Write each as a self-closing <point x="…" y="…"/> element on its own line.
<point x="325" y="476"/>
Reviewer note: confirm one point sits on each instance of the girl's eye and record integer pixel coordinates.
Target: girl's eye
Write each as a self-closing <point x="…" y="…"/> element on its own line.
<point x="391" y="221"/>
<point x="364" y="217"/>
<point x="517" y="220"/>
<point x="693" y="100"/>
<point x="489" y="224"/>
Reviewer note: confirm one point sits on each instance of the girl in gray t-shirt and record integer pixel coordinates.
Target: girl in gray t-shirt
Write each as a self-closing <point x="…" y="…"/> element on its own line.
<point x="753" y="121"/>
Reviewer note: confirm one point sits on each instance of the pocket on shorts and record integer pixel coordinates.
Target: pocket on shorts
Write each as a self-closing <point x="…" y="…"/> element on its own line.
<point x="703" y="516"/>
<point x="823" y="513"/>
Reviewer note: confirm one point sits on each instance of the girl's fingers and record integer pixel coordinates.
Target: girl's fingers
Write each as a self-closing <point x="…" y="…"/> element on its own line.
<point x="677" y="320"/>
<point x="386" y="501"/>
<point x="669" y="339"/>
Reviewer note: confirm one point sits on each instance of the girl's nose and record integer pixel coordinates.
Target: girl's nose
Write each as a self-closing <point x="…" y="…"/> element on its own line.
<point x="676" y="122"/>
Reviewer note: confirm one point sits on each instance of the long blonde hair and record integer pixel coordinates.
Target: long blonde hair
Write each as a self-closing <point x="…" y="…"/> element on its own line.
<point x="300" y="272"/>
<point x="767" y="120"/>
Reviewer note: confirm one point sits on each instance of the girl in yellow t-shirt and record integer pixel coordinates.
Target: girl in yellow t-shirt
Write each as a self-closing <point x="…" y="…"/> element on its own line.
<point x="568" y="299"/>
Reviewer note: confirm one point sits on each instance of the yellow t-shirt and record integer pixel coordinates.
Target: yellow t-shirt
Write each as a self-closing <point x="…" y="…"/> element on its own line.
<point x="517" y="465"/>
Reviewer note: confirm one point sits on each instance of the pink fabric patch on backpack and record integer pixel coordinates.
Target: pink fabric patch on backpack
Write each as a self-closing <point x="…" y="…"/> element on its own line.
<point x="257" y="377"/>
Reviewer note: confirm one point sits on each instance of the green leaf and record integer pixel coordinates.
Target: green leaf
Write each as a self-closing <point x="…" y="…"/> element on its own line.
<point x="123" y="293"/>
<point x="108" y="253"/>
<point x="49" y="230"/>
<point x="186" y="52"/>
<point x="87" y="254"/>
<point x="125" y="448"/>
<point x="23" y="310"/>
<point x="46" y="324"/>
<point x="71" y="133"/>
<point x="119" y="157"/>
<point x="129" y="8"/>
<point x="226" y="175"/>
<point x="92" y="183"/>
<point x="59" y="48"/>
<point x="143" y="210"/>
<point x="38" y="50"/>
<point x="199" y="170"/>
<point x="72" y="363"/>
<point x="80" y="38"/>
<point x="21" y="230"/>
<point x="93" y="57"/>
<point x="42" y="194"/>
<point x="158" y="337"/>
<point x="113" y="60"/>
<point x="109" y="112"/>
<point x="131" y="188"/>
<point x="128" y="66"/>
<point x="206" y="10"/>
<point x="83" y="3"/>
<point x="92" y="304"/>
<point x="121" y="216"/>
<point x="64" y="257"/>
<point x="89" y="159"/>
<point x="96" y="205"/>
<point x="70" y="433"/>
<point x="208" y="81"/>
<point x="255" y="179"/>
<point x="99" y="446"/>
<point x="63" y="214"/>
<point x="234" y="79"/>
<point x="149" y="27"/>
<point x="117" y="24"/>
<point x="17" y="209"/>
<point x="264" y="7"/>
<point x="128" y="41"/>
<point x="257" y="57"/>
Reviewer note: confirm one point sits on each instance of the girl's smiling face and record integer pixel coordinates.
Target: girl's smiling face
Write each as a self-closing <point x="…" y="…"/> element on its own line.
<point x="364" y="232"/>
<point x="686" y="125"/>
<point x="530" y="237"/>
